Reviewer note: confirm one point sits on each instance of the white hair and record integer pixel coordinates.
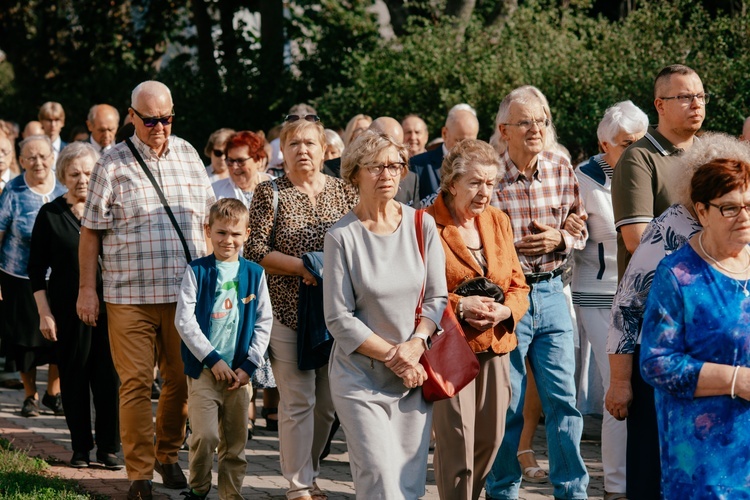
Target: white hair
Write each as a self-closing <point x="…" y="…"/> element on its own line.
<point x="462" y="107"/>
<point x="334" y="139"/>
<point x="524" y="95"/>
<point x="622" y="117"/>
<point x="149" y="87"/>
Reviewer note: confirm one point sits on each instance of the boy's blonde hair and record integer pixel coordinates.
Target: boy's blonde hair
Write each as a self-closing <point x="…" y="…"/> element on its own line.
<point x="228" y="209"/>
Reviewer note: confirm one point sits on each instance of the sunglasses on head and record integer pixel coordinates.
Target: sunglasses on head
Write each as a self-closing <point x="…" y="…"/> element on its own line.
<point x="218" y="153"/>
<point x="151" y="121"/>
<point x="294" y="118"/>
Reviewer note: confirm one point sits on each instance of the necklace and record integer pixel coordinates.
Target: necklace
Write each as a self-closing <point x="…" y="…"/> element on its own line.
<point x="720" y="266"/>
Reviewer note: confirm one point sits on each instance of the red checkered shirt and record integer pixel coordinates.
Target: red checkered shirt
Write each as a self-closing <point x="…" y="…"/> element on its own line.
<point x="548" y="197"/>
<point x="143" y="261"/>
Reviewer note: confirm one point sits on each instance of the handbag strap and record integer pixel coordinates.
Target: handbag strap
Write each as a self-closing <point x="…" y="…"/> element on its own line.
<point x="418" y="216"/>
<point x="161" y="198"/>
<point x="275" y="204"/>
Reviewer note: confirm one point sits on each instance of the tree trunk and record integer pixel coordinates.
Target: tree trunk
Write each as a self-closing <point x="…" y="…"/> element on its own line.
<point x="203" y="25"/>
<point x="502" y="11"/>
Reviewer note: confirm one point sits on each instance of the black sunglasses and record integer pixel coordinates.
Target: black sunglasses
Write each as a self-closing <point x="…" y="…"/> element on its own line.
<point x="218" y="153"/>
<point x="151" y="121"/>
<point x="294" y="118"/>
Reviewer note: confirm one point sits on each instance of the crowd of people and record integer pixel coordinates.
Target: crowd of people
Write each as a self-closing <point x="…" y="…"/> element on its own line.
<point x="316" y="265"/>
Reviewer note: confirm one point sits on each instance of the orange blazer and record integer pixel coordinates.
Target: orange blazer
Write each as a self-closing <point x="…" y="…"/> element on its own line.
<point x="503" y="269"/>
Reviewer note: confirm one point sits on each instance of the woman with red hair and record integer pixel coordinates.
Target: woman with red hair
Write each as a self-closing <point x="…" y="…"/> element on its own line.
<point x="245" y="156"/>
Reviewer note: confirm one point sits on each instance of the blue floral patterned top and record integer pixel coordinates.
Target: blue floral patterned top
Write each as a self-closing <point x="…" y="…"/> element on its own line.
<point x="19" y="206"/>
<point x="695" y="314"/>
<point x="664" y="235"/>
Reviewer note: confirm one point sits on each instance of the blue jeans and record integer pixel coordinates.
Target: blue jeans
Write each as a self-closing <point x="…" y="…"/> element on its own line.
<point x="545" y="334"/>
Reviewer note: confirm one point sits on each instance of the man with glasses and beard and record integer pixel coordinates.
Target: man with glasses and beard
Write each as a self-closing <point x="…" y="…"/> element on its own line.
<point x="145" y="249"/>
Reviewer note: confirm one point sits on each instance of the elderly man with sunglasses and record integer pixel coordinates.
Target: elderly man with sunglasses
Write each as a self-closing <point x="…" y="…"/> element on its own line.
<point x="145" y="248"/>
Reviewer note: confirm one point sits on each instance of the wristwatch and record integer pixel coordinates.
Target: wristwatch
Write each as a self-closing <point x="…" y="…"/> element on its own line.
<point x="426" y="340"/>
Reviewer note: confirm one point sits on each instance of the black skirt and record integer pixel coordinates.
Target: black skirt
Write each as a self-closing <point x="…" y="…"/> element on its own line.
<point x="22" y="341"/>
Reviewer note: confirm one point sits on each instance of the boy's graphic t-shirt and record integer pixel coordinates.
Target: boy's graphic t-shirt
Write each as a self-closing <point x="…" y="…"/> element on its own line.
<point x="225" y="315"/>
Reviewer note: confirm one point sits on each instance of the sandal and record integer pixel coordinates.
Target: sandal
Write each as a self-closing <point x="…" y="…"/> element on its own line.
<point x="532" y="474"/>
<point x="272" y="424"/>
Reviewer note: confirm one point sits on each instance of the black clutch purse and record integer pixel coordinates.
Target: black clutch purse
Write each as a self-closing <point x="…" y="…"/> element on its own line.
<point x="481" y="286"/>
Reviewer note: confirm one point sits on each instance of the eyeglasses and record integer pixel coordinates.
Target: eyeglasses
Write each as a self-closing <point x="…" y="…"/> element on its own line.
<point x="151" y="121"/>
<point x="687" y="99"/>
<point x="730" y="211"/>
<point x="218" y="153"/>
<point x="528" y="124"/>
<point x="294" y="118"/>
<point x="394" y="169"/>
<point x="240" y="162"/>
<point x="38" y="158"/>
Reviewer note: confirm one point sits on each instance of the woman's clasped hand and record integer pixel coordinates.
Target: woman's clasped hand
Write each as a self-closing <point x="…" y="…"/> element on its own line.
<point x="403" y="360"/>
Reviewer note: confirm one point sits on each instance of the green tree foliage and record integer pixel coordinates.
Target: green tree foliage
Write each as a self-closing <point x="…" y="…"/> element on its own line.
<point x="583" y="65"/>
<point x="80" y="52"/>
<point x="224" y="71"/>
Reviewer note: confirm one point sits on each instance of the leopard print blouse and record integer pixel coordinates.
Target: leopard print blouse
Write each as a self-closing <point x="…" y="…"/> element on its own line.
<point x="300" y="228"/>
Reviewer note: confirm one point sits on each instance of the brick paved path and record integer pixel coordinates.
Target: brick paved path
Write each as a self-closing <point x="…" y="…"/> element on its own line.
<point x="47" y="436"/>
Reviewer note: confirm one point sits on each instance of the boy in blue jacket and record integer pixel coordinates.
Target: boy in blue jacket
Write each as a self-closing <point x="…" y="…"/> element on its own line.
<point x="224" y="318"/>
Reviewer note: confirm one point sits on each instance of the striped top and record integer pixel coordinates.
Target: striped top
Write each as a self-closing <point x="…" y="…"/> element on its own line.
<point x="595" y="270"/>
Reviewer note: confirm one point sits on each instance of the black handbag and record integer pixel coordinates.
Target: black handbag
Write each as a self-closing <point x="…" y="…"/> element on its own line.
<point x="482" y="286"/>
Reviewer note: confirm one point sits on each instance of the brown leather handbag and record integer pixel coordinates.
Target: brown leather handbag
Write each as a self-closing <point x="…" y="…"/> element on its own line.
<point x="450" y="363"/>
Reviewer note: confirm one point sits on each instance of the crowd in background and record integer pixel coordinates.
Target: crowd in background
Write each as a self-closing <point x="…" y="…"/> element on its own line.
<point x="617" y="287"/>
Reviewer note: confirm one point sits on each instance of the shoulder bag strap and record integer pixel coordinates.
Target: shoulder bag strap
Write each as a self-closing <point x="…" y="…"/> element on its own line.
<point x="161" y="198"/>
<point x="420" y="243"/>
<point x="275" y="204"/>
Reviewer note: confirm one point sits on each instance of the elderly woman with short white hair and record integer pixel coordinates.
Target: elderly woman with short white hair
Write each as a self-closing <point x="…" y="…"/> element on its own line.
<point x="595" y="275"/>
<point x="83" y="351"/>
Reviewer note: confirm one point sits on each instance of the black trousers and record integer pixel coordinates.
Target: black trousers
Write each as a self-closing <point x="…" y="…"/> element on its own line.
<point x="86" y="369"/>
<point x="643" y="464"/>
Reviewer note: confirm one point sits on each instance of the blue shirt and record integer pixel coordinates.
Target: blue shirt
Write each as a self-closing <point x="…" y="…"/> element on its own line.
<point x="694" y="315"/>
<point x="19" y="206"/>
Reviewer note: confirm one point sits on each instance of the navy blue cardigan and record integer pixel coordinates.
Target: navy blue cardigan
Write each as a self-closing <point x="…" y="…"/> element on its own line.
<point x="206" y="274"/>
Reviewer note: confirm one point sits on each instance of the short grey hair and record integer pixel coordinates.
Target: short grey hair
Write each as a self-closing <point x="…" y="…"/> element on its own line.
<point x="526" y="94"/>
<point x="363" y="151"/>
<point x="35" y="138"/>
<point x="463" y="155"/>
<point x="705" y="149"/>
<point x="334" y="139"/>
<point x="149" y="87"/>
<point x="302" y="109"/>
<point x="622" y="117"/>
<point x="72" y="152"/>
<point x="462" y="107"/>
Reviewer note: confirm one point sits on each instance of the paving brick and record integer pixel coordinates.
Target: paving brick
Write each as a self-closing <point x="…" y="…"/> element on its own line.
<point x="47" y="436"/>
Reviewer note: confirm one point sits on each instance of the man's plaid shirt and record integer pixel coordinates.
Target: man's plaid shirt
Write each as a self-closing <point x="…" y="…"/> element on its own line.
<point x="143" y="261"/>
<point x="549" y="197"/>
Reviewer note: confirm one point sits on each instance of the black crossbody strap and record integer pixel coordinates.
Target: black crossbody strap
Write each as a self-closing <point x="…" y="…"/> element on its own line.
<point x="161" y="198"/>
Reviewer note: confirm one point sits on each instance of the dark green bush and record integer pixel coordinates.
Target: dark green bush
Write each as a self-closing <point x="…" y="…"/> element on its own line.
<point x="582" y="64"/>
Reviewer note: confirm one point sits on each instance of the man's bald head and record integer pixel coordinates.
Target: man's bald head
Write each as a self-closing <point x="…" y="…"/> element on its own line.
<point x="745" y="135"/>
<point x="32" y="128"/>
<point x="461" y="124"/>
<point x="102" y="122"/>
<point x="388" y="126"/>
